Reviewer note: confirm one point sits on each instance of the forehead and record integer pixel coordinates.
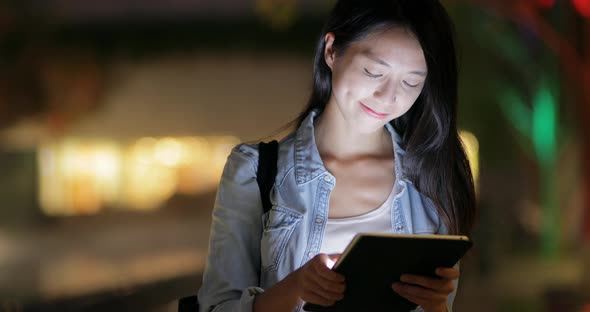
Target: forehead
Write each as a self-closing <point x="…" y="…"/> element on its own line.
<point x="397" y="46"/>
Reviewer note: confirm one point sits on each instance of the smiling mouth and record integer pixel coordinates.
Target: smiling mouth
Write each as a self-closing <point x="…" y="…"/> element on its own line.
<point x="372" y="113"/>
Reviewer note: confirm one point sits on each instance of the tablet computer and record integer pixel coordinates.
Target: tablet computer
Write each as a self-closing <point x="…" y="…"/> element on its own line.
<point x="372" y="262"/>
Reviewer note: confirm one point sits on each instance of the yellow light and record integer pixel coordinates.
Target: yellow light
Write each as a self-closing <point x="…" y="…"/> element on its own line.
<point x="471" y="145"/>
<point x="78" y="177"/>
<point x="83" y="176"/>
<point x="106" y="163"/>
<point x="168" y="152"/>
<point x="147" y="186"/>
<point x="51" y="198"/>
<point x="105" y="160"/>
<point x="143" y="150"/>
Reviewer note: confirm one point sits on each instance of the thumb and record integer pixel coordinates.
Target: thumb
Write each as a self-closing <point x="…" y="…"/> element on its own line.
<point x="334" y="257"/>
<point x="331" y="260"/>
<point x="325" y="260"/>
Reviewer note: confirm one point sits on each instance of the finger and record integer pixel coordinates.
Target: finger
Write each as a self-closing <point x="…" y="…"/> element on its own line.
<point x="436" y="284"/>
<point x="328" y="285"/>
<point x="448" y="273"/>
<point x="311" y="297"/>
<point x="411" y="298"/>
<point x="329" y="275"/>
<point x="321" y="267"/>
<point x="419" y="292"/>
<point x="332" y="292"/>
<point x="425" y="303"/>
<point x="334" y="257"/>
<point x="414" y="299"/>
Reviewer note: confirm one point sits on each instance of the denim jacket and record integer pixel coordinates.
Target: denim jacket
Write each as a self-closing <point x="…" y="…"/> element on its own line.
<point x="249" y="251"/>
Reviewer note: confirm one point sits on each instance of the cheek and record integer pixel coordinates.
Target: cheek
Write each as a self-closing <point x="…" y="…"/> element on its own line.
<point x="350" y="84"/>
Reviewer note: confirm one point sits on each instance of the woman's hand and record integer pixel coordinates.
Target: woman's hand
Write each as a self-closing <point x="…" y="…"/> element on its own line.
<point x="430" y="293"/>
<point x="317" y="283"/>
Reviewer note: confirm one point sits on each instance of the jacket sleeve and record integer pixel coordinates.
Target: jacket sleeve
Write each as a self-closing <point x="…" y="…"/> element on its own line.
<point x="232" y="270"/>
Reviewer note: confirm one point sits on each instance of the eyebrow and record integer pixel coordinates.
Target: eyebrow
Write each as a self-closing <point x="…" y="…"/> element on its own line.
<point x="374" y="58"/>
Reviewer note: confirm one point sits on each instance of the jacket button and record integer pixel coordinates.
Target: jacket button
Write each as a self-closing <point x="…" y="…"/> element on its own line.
<point x="327" y="178"/>
<point x="310" y="254"/>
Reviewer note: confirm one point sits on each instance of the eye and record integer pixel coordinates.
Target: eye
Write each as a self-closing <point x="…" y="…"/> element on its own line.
<point x="370" y="74"/>
<point x="410" y="85"/>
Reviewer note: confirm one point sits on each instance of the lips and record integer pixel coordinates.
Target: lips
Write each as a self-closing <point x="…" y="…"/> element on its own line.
<point x="372" y="113"/>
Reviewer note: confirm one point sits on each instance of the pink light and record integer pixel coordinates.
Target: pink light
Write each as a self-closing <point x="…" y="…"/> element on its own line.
<point x="582" y="6"/>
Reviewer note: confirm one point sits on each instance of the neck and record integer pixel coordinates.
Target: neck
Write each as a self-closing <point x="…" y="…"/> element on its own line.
<point x="335" y="139"/>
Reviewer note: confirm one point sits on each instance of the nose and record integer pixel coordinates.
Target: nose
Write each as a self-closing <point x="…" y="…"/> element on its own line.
<point x="386" y="93"/>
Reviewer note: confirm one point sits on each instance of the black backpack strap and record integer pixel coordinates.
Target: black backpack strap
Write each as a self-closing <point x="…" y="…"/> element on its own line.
<point x="267" y="170"/>
<point x="188" y="304"/>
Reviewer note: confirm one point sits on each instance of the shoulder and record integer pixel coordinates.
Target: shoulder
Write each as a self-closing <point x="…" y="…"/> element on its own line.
<point x="245" y="151"/>
<point x="242" y="161"/>
<point x="244" y="156"/>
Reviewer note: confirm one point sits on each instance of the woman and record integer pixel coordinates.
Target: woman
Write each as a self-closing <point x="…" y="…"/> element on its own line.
<point x="376" y="150"/>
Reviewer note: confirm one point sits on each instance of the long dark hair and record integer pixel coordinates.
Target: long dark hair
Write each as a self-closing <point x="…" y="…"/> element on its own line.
<point x="435" y="160"/>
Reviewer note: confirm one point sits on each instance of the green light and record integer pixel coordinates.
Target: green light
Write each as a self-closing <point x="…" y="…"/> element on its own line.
<point x="540" y="126"/>
<point x="544" y="125"/>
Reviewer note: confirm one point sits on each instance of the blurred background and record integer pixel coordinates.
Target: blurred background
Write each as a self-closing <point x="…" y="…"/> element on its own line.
<point x="116" y="118"/>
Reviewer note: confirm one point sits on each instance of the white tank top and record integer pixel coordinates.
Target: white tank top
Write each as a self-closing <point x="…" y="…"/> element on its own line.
<point x="340" y="231"/>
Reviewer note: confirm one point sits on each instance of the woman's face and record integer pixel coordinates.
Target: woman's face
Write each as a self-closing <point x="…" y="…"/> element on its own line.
<point x="376" y="79"/>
